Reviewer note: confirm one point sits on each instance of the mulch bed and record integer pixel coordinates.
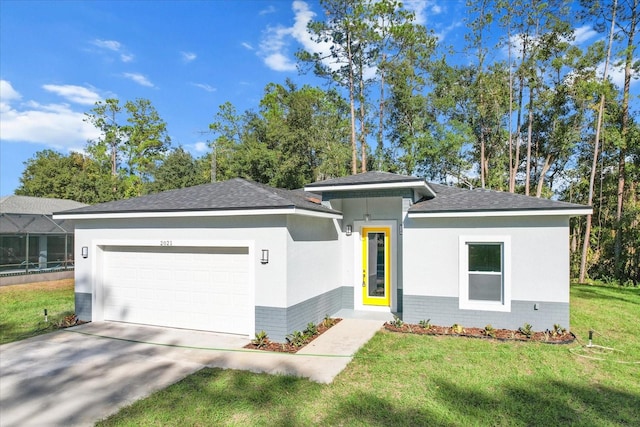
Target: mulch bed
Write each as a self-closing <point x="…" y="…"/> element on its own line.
<point x="288" y="347"/>
<point x="499" y="334"/>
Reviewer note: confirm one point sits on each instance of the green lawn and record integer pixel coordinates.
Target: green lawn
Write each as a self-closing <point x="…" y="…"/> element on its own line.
<point x="22" y="308"/>
<point x="423" y="380"/>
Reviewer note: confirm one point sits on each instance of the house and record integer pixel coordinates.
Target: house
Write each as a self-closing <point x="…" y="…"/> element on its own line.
<point x="240" y="257"/>
<point x="30" y="240"/>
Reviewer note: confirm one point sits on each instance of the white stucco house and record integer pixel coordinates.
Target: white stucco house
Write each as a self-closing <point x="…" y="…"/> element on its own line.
<point x="239" y="257"/>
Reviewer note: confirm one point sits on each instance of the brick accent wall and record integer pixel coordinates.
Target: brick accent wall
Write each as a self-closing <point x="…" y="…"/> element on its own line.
<point x="278" y="322"/>
<point x="444" y="311"/>
<point x="83" y="306"/>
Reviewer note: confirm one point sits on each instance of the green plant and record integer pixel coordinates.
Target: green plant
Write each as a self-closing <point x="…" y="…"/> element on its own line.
<point x="261" y="339"/>
<point x="557" y="330"/>
<point x="396" y="322"/>
<point x="490" y="331"/>
<point x="457" y="329"/>
<point x="328" y="322"/>
<point x="297" y="338"/>
<point x="526" y="330"/>
<point x="311" y="329"/>
<point x="426" y="324"/>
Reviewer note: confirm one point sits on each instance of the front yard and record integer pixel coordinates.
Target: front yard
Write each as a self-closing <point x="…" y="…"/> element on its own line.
<point x="401" y="379"/>
<point x="22" y="308"/>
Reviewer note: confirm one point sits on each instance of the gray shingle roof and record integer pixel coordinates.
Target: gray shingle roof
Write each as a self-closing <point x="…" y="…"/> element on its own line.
<point x="366" y="178"/>
<point x="451" y="199"/>
<point x="36" y="205"/>
<point x="235" y="194"/>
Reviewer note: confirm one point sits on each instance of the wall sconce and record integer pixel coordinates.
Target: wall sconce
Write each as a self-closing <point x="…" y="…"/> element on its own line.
<point x="349" y="229"/>
<point x="367" y="217"/>
<point x="265" y="256"/>
<point x="85" y="252"/>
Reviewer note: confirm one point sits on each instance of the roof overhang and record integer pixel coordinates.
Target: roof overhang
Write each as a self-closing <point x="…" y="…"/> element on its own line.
<point x="198" y="213"/>
<point x="421" y="187"/>
<point x="502" y="213"/>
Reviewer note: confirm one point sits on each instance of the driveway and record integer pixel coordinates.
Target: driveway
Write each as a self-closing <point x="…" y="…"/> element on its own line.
<point x="72" y="378"/>
<point x="77" y="376"/>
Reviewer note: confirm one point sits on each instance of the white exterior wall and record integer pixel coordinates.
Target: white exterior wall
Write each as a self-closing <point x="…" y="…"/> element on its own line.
<point x="539" y="255"/>
<point x="255" y="232"/>
<point x="314" y="266"/>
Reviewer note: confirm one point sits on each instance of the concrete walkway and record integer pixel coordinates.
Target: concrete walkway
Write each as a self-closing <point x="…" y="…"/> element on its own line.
<point x="77" y="376"/>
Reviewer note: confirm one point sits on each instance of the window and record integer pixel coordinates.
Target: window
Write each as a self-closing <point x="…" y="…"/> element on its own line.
<point x="484" y="274"/>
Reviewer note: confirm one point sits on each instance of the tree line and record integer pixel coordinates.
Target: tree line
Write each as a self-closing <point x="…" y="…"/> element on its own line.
<point x="522" y="108"/>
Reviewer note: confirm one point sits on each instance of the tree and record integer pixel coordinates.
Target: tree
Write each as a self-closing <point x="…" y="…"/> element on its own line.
<point x="74" y="177"/>
<point x="133" y="139"/>
<point x="178" y="170"/>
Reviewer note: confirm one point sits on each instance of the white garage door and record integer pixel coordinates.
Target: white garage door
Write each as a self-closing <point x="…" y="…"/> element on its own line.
<point x="192" y="288"/>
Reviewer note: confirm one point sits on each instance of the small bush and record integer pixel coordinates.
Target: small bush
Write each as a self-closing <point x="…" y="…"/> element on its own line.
<point x="425" y="324"/>
<point x="457" y="329"/>
<point x="297" y="338"/>
<point x="526" y="330"/>
<point x="261" y="339"/>
<point x="311" y="329"/>
<point x="328" y="322"/>
<point x="396" y="322"/>
<point x="490" y="331"/>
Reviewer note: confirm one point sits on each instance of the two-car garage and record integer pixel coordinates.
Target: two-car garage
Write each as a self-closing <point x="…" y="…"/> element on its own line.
<point x="204" y="288"/>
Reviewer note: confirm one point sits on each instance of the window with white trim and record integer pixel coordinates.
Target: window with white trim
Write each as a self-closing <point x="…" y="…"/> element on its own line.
<point x="485" y="273"/>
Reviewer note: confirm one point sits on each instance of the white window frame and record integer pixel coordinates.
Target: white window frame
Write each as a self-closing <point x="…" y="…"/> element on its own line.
<point x="463" y="274"/>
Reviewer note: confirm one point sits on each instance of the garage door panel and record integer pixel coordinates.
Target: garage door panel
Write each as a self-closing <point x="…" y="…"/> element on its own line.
<point x="194" y="288"/>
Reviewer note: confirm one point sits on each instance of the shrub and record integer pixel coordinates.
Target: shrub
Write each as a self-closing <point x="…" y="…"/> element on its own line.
<point x="311" y="329"/>
<point x="426" y="324"/>
<point x="490" y="331"/>
<point x="297" y="338"/>
<point x="261" y="339"/>
<point x="526" y="330"/>
<point x="396" y="322"/>
<point x="457" y="329"/>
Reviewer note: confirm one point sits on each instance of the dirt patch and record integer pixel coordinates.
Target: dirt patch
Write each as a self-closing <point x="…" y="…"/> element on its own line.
<point x="496" y="334"/>
<point x="289" y="346"/>
<point x="36" y="286"/>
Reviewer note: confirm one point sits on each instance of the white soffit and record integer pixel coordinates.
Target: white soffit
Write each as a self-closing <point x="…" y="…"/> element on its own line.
<point x="192" y="214"/>
<point x="530" y="212"/>
<point x="419" y="185"/>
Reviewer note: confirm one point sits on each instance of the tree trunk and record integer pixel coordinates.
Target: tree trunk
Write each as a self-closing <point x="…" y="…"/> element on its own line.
<point x="363" y="125"/>
<point x="545" y="168"/>
<point x="529" y="136"/>
<point x="352" y="101"/>
<point x="594" y="164"/>
<point x="624" y="131"/>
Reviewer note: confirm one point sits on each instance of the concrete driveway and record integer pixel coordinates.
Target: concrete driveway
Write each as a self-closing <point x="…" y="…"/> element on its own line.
<point x="77" y="376"/>
<point x="71" y="378"/>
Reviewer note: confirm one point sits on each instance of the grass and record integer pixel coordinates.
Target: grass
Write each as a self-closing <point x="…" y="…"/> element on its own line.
<point x="22" y="308"/>
<point x="424" y="380"/>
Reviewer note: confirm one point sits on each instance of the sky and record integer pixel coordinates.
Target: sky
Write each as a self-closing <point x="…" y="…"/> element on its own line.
<point x="57" y="58"/>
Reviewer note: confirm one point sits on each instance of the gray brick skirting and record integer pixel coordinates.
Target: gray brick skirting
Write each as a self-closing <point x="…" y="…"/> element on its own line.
<point x="83" y="306"/>
<point x="279" y="322"/>
<point x="444" y="311"/>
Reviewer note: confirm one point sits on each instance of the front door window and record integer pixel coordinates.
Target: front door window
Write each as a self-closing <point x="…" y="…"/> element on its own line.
<point x="375" y="266"/>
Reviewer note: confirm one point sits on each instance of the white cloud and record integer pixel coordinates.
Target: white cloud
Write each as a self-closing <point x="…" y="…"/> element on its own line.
<point x="108" y="44"/>
<point x="201" y="147"/>
<point x="77" y="94"/>
<point x="139" y="78"/>
<point x="188" y="56"/>
<point x="205" y="87"/>
<point x="418" y="7"/>
<point x="270" y="9"/>
<point x="616" y="74"/>
<point x="54" y="125"/>
<point x="584" y="33"/>
<point x="246" y="46"/>
<point x="114" y="46"/>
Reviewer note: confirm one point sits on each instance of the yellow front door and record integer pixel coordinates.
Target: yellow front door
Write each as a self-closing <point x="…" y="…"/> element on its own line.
<point x="376" y="265"/>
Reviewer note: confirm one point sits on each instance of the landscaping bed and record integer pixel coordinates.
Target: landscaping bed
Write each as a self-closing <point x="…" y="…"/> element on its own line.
<point x="557" y="336"/>
<point x="295" y="341"/>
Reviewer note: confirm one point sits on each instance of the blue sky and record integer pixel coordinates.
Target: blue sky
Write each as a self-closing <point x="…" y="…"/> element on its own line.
<point x="187" y="57"/>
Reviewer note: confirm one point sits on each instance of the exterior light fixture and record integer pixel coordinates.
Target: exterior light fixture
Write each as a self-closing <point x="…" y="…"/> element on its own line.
<point x="265" y="256"/>
<point x="349" y="230"/>
<point x="367" y="217"/>
<point x="85" y="252"/>
<point x="400" y="229"/>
